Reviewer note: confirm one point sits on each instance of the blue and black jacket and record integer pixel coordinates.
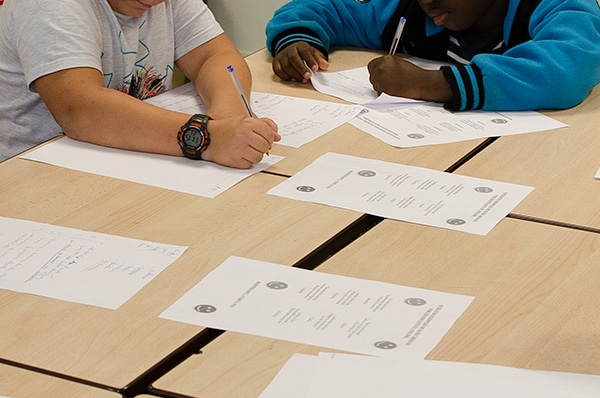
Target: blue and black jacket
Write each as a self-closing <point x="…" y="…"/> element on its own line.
<point x="552" y="59"/>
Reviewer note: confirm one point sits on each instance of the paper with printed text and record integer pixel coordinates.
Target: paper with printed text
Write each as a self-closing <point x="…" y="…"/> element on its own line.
<point x="286" y="303"/>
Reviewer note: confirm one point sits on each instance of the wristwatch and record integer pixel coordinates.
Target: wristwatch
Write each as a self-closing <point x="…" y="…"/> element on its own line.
<point x="193" y="136"/>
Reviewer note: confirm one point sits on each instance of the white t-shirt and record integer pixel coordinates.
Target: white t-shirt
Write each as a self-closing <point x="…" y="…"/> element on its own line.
<point x="135" y="54"/>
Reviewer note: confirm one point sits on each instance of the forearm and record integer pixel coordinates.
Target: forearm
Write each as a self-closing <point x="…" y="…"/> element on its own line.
<point x="117" y="120"/>
<point x="217" y="89"/>
<point x="206" y="67"/>
<point x="87" y="111"/>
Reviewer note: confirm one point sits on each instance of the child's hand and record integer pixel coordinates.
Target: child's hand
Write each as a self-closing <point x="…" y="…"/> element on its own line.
<point x="240" y="141"/>
<point x="397" y="77"/>
<point x="291" y="62"/>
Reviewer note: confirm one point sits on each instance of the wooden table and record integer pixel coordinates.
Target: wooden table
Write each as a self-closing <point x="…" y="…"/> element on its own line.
<point x="535" y="283"/>
<point x="346" y="139"/>
<point x="560" y="164"/>
<point x="112" y="348"/>
<point x="21" y="383"/>
<point x="535" y="289"/>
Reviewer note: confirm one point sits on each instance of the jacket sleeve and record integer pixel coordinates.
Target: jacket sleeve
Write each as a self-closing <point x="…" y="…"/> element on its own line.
<point x="328" y="23"/>
<point x="556" y="69"/>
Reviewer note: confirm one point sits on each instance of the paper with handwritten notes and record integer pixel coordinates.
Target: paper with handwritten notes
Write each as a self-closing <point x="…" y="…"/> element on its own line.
<point x="299" y="120"/>
<point x="78" y="266"/>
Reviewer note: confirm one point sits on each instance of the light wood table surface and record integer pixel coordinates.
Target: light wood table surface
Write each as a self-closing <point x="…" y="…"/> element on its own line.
<point x="114" y="347"/>
<point x="535" y="289"/>
<point x="560" y="164"/>
<point x="20" y="383"/>
<point x="345" y="139"/>
<point x="535" y="284"/>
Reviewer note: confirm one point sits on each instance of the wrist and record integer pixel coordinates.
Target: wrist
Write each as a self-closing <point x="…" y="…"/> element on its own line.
<point x="436" y="87"/>
<point x="193" y="137"/>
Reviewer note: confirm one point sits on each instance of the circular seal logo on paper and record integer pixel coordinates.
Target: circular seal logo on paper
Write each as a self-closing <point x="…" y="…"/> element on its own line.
<point x="305" y="188"/>
<point x="367" y="173"/>
<point x="416" y="136"/>
<point x="277" y="285"/>
<point x="456" y="221"/>
<point x="205" y="308"/>
<point x="415" y="301"/>
<point x="484" y="189"/>
<point x="499" y="121"/>
<point x="386" y="345"/>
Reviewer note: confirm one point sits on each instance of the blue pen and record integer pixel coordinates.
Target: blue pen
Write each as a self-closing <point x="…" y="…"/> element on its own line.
<point x="238" y="87"/>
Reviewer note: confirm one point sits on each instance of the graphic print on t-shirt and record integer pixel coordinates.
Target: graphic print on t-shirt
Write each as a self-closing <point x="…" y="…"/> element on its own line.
<point x="145" y="83"/>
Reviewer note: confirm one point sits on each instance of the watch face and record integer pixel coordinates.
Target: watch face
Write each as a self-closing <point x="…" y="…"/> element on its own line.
<point x="192" y="138"/>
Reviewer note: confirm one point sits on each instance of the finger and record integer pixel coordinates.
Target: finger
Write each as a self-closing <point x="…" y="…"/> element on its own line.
<point x="271" y="124"/>
<point x="253" y="155"/>
<point x="258" y="152"/>
<point x="274" y="128"/>
<point x="323" y="62"/>
<point x="262" y="144"/>
<point x="320" y="59"/>
<point x="266" y="128"/>
<point x="262" y="137"/>
<point x="244" y="163"/>
<point x="280" y="71"/>
<point x="311" y="58"/>
<point x="297" y="67"/>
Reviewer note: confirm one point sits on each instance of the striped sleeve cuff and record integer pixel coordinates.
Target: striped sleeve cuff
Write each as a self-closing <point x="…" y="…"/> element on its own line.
<point x="466" y="82"/>
<point x="292" y="36"/>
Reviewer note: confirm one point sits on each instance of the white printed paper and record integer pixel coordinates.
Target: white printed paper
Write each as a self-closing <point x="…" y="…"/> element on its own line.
<point x="78" y="266"/>
<point x="401" y="192"/>
<point x="170" y="172"/>
<point x="327" y="310"/>
<point x="432" y="124"/>
<point x="404" y="122"/>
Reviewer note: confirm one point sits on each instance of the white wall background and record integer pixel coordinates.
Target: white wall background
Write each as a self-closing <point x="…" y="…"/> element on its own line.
<point x="244" y="21"/>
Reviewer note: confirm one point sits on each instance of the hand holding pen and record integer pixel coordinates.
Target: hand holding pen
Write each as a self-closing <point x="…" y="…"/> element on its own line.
<point x="242" y="95"/>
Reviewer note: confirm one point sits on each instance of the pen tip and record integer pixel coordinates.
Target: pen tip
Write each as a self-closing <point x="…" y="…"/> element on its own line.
<point x="230" y="68"/>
